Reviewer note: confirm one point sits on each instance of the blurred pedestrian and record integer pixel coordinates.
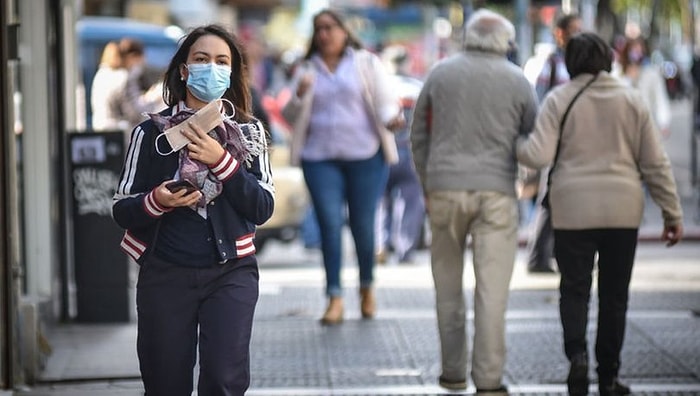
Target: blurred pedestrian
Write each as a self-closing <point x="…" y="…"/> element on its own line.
<point x="108" y="89"/>
<point x="401" y="211"/>
<point x="540" y="245"/>
<point x="144" y="84"/>
<point x="124" y="88"/>
<point x="470" y="110"/>
<point x="198" y="281"/>
<point x="341" y="110"/>
<point x="695" y="73"/>
<point x="603" y="146"/>
<point x="640" y="73"/>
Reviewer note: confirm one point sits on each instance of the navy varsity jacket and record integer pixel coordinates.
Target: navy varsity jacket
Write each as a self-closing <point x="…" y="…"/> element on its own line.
<point x="247" y="199"/>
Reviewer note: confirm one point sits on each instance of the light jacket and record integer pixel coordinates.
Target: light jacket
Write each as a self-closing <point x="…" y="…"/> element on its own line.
<point x="609" y="148"/>
<point x="382" y="103"/>
<point x="247" y="198"/>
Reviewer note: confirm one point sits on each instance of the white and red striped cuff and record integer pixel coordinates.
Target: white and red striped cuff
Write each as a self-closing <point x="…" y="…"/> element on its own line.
<point x="152" y="207"/>
<point x="225" y="167"/>
<point x="245" y="246"/>
<point x="132" y="246"/>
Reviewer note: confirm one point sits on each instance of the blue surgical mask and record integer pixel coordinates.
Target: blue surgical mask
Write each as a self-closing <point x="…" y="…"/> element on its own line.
<point x="208" y="81"/>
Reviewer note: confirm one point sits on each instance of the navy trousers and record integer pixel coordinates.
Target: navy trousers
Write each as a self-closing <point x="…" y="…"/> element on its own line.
<point x="180" y="308"/>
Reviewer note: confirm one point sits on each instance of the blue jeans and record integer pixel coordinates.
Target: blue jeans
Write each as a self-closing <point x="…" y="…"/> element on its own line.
<point x="332" y="184"/>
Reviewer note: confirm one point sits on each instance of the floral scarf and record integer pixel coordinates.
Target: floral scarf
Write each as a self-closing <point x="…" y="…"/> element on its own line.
<point x="242" y="141"/>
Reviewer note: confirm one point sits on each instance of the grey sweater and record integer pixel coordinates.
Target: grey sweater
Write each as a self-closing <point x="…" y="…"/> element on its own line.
<point x="468" y="115"/>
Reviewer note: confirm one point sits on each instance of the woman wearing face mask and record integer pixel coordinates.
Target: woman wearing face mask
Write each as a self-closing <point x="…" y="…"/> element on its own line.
<point x="640" y="73"/>
<point x="198" y="279"/>
<point x="342" y="112"/>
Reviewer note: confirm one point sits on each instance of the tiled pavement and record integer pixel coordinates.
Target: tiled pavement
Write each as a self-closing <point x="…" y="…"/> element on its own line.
<point x="396" y="353"/>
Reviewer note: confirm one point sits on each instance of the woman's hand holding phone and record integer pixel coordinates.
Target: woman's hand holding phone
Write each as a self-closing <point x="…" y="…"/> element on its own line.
<point x="178" y="185"/>
<point x="177" y="193"/>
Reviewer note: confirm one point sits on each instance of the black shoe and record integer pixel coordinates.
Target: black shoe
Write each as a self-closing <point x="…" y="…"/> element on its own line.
<point x="501" y="391"/>
<point x="613" y="388"/>
<point x="452" y="384"/>
<point x="577" y="380"/>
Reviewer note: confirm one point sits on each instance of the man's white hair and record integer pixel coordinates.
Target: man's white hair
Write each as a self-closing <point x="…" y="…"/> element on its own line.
<point x="489" y="31"/>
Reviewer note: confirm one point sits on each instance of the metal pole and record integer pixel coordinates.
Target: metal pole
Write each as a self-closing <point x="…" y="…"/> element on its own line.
<point x="566" y="6"/>
<point x="524" y="30"/>
<point x="588" y="10"/>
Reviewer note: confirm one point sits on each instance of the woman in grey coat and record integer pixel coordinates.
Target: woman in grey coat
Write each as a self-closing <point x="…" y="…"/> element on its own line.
<point x="603" y="156"/>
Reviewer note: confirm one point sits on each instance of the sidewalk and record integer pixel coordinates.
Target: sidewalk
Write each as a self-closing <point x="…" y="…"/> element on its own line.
<point x="397" y="353"/>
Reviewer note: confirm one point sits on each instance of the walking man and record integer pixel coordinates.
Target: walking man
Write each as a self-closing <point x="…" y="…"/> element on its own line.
<point x="469" y="112"/>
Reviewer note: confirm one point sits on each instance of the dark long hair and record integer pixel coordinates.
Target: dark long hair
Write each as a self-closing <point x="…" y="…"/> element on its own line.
<point x="352" y="41"/>
<point x="175" y="90"/>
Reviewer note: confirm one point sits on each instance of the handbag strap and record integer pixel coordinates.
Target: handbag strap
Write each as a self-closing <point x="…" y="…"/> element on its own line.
<point x="552" y="72"/>
<point x="561" y="127"/>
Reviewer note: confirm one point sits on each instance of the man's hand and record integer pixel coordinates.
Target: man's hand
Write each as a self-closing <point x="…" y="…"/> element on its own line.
<point x="672" y="234"/>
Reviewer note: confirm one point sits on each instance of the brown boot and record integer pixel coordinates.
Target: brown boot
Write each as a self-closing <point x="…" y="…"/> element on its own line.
<point x="367" y="304"/>
<point x="334" y="311"/>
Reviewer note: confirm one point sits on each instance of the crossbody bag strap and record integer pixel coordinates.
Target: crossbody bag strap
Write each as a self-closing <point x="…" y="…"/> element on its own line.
<point x="561" y="128"/>
<point x="552" y="72"/>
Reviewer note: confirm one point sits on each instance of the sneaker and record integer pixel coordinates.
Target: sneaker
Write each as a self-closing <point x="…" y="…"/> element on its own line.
<point x="613" y="388"/>
<point x="451" y="384"/>
<point x="500" y="391"/>
<point x="577" y="380"/>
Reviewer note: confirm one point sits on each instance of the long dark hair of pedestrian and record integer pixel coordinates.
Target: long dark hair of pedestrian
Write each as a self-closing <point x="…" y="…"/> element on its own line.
<point x="175" y="89"/>
<point x="352" y="40"/>
<point x="587" y="53"/>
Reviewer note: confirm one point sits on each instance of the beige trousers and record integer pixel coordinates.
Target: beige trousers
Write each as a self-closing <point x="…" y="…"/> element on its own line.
<point x="491" y="219"/>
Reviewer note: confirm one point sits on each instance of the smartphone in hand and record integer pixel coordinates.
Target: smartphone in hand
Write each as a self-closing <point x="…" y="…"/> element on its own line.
<point x="178" y="185"/>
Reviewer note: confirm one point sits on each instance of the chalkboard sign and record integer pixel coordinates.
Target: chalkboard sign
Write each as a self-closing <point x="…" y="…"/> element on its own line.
<point x="100" y="267"/>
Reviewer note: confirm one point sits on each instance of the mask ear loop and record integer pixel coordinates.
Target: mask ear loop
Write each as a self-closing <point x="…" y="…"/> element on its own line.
<point x="158" y="148"/>
<point x="225" y="102"/>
